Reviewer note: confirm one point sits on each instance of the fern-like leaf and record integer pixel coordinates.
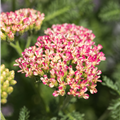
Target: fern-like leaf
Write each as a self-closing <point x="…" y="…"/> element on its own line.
<point x="110" y="12"/>
<point x="62" y="11"/>
<point x="70" y="116"/>
<point x="115" y="109"/>
<point x="109" y="83"/>
<point x="24" y="114"/>
<point x="73" y="116"/>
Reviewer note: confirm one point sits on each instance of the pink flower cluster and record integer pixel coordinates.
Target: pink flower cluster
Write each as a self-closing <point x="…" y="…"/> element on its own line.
<point x="19" y="21"/>
<point x="66" y="59"/>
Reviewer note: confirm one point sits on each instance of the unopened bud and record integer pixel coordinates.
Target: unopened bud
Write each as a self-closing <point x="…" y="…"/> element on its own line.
<point x="2" y="35"/>
<point x="7" y="70"/>
<point x="9" y="90"/>
<point x="2" y="67"/>
<point x="9" y="78"/>
<point x="2" y="79"/>
<point x="4" y="74"/>
<point x="12" y="72"/>
<point x="3" y="101"/>
<point x="6" y="83"/>
<point x="4" y="95"/>
<point x="13" y="82"/>
<point x="56" y="84"/>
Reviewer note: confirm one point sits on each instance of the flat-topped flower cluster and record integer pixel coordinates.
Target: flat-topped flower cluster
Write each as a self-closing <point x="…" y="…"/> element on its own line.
<point x="64" y="58"/>
<point x="19" y="22"/>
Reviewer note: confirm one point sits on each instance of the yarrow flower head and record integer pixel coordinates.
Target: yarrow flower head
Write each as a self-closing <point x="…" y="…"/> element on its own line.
<point x="65" y="58"/>
<point x="18" y="22"/>
<point x="7" y="80"/>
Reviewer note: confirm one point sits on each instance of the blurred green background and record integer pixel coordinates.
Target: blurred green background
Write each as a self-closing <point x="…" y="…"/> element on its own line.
<point x="100" y="16"/>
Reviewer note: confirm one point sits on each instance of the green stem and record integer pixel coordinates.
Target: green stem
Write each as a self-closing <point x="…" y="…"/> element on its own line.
<point x="16" y="46"/>
<point x="66" y="102"/>
<point x="37" y="91"/>
<point x="2" y="117"/>
<point x="28" y="41"/>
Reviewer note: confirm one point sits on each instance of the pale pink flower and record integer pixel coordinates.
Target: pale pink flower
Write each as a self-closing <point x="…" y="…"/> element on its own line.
<point x="19" y="21"/>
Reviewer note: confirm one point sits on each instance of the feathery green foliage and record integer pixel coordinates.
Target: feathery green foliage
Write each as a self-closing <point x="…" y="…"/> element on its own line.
<point x="115" y="109"/>
<point x="24" y="114"/>
<point x="111" y="11"/>
<point x="69" y="10"/>
<point x="70" y="116"/>
<point x="109" y="83"/>
<point x="115" y="104"/>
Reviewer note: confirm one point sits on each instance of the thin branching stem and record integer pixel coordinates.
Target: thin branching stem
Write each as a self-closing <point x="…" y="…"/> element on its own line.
<point x="66" y="102"/>
<point x="28" y="41"/>
<point x="16" y="46"/>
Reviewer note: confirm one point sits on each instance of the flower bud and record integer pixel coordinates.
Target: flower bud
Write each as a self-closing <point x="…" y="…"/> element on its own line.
<point x="9" y="78"/>
<point x="2" y="79"/>
<point x="13" y="82"/>
<point x="2" y="67"/>
<point x="2" y="36"/>
<point x="4" y="74"/>
<point x="5" y="85"/>
<point x="3" y="101"/>
<point x="4" y="95"/>
<point x="9" y="90"/>
<point x="6" y="82"/>
<point x="7" y="70"/>
<point x="12" y="72"/>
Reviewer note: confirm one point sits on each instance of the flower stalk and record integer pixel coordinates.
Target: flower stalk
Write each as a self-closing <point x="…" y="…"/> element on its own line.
<point x="66" y="102"/>
<point x="28" y="41"/>
<point x="16" y="46"/>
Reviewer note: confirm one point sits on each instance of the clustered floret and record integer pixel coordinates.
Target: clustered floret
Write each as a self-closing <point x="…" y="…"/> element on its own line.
<point x="18" y="22"/>
<point x="7" y="80"/>
<point x="65" y="58"/>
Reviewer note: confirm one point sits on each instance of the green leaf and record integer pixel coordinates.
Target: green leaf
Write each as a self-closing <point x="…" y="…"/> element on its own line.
<point x="70" y="116"/>
<point x="115" y="109"/>
<point x="110" y="12"/>
<point x="109" y="83"/>
<point x="24" y="114"/>
<point x="73" y="116"/>
<point x="54" y="118"/>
